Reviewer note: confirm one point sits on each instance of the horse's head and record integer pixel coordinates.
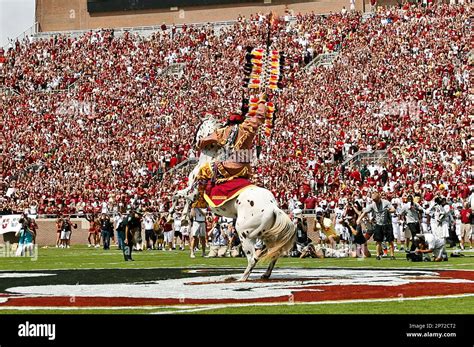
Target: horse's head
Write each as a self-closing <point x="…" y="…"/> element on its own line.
<point x="208" y="125"/>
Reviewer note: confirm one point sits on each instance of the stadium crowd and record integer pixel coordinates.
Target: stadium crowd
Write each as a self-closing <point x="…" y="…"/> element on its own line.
<point x="98" y="121"/>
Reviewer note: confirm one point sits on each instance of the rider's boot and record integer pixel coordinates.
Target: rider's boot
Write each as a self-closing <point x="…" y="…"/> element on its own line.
<point x="198" y="195"/>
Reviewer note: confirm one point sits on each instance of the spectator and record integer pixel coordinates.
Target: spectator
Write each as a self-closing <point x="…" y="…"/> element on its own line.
<point x="412" y="212"/>
<point x="25" y="238"/>
<point x="198" y="230"/>
<point x="106" y="230"/>
<point x="66" y="232"/>
<point x="383" y="231"/>
<point x="150" y="236"/>
<point x="466" y="225"/>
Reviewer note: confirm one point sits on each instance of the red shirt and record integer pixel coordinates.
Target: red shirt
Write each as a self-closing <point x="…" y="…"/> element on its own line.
<point x="356" y="175"/>
<point x="465" y="216"/>
<point x="428" y="196"/>
<point x="173" y="161"/>
<point x="310" y="203"/>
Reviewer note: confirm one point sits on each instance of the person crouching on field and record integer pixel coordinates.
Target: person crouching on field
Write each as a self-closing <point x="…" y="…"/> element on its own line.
<point x="220" y="241"/>
<point x="429" y="243"/>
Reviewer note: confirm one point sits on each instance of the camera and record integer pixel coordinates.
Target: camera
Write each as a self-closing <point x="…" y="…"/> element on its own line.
<point x="414" y="256"/>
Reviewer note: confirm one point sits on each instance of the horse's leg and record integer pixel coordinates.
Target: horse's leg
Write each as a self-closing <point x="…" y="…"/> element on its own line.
<point x="186" y="210"/>
<point x="173" y="206"/>
<point x="267" y="273"/>
<point x="179" y="194"/>
<point x="249" y="248"/>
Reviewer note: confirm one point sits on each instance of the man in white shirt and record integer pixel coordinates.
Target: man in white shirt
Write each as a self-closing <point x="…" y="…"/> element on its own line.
<point x="150" y="237"/>
<point x="429" y="243"/>
<point x="198" y="230"/>
<point x="177" y="229"/>
<point x="341" y="230"/>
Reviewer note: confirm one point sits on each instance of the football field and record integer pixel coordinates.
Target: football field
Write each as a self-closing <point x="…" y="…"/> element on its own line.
<point x="87" y="280"/>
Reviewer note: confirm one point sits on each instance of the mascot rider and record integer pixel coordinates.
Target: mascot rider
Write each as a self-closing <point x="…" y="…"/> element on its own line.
<point x="237" y="135"/>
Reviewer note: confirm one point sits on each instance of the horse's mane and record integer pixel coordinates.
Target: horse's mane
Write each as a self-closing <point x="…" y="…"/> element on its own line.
<point x="196" y="133"/>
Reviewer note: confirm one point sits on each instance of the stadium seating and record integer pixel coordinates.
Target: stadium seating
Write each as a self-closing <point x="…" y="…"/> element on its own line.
<point x="95" y="121"/>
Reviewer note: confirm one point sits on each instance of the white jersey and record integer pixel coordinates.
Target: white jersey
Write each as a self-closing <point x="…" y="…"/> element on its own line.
<point x="177" y="224"/>
<point x="424" y="221"/>
<point x="148" y="222"/>
<point x="395" y="215"/>
<point x="446" y="215"/>
<point x="184" y="230"/>
<point x="339" y="215"/>
<point x="435" y="244"/>
<point x="117" y="220"/>
<point x="105" y="208"/>
<point x="200" y="215"/>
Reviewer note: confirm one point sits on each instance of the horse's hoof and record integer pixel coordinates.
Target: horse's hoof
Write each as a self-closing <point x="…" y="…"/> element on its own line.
<point x="242" y="279"/>
<point x="265" y="277"/>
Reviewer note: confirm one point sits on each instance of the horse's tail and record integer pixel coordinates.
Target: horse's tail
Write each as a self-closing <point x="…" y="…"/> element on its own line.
<point x="280" y="238"/>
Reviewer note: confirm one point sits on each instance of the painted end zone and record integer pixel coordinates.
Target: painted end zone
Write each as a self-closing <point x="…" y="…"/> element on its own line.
<point x="181" y="287"/>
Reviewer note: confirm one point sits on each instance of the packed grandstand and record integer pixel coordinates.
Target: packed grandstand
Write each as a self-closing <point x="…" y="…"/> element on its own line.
<point x="97" y="123"/>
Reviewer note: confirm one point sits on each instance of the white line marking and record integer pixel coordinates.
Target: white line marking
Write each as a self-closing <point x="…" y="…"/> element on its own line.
<point x="221" y="306"/>
<point x="198" y="308"/>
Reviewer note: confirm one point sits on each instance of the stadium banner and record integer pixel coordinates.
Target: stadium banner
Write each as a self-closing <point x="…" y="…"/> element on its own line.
<point x="10" y="223"/>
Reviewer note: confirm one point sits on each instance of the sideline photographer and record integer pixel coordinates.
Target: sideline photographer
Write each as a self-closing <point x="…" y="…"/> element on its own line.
<point x="429" y="243"/>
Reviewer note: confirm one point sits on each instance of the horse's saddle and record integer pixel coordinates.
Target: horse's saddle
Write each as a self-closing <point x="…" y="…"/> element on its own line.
<point x="219" y="194"/>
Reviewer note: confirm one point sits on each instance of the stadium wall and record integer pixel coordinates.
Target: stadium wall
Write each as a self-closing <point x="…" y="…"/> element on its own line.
<point x="46" y="233"/>
<point x="59" y="15"/>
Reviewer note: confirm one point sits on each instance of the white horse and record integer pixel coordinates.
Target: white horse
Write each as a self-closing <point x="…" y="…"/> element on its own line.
<point x="208" y="125"/>
<point x="256" y="212"/>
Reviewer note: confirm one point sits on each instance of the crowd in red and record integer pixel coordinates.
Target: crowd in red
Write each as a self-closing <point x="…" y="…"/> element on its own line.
<point x="98" y="120"/>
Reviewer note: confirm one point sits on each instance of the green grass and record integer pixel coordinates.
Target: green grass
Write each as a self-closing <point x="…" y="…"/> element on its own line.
<point x="150" y="263"/>
<point x="81" y="257"/>
<point x="443" y="306"/>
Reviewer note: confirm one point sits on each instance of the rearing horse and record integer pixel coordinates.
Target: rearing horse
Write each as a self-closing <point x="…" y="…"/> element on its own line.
<point x="255" y="210"/>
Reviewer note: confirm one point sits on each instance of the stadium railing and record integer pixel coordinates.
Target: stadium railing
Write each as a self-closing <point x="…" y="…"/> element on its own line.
<point x="8" y="91"/>
<point x="184" y="164"/>
<point x="148" y="30"/>
<point x="26" y="34"/>
<point x="142" y="30"/>
<point x="363" y="157"/>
